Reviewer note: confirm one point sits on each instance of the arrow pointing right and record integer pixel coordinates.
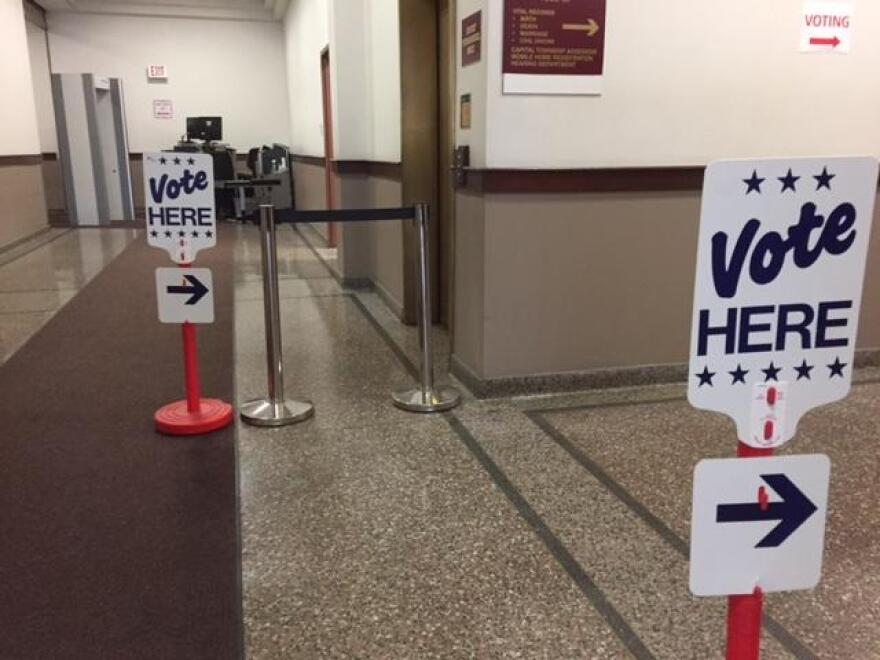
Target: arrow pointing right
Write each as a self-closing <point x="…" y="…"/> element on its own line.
<point x="792" y="512"/>
<point x="197" y="291"/>
<point x="834" y="42"/>
<point x="591" y="27"/>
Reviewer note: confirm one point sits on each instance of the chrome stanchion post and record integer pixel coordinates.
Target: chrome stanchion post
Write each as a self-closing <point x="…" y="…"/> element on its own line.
<point x="274" y="410"/>
<point x="425" y="398"/>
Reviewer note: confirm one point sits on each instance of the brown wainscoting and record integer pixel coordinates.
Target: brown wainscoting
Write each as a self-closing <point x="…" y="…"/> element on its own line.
<point x="24" y="159"/>
<point x="623" y="179"/>
<point x="379" y="169"/>
<point x="49" y="156"/>
<point x="317" y="161"/>
<point x="58" y="218"/>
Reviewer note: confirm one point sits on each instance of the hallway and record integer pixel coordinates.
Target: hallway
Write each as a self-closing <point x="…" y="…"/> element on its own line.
<point x="544" y="526"/>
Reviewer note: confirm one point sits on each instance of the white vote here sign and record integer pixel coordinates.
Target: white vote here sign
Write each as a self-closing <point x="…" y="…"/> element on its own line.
<point x="780" y="264"/>
<point x="185" y="295"/>
<point x="179" y="193"/>
<point x="758" y="522"/>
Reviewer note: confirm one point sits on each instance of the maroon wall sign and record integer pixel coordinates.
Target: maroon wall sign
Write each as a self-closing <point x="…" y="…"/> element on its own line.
<point x="471" y="38"/>
<point x="559" y="38"/>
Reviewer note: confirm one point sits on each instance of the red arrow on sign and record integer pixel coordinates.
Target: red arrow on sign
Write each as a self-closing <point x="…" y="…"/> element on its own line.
<point x="834" y="42"/>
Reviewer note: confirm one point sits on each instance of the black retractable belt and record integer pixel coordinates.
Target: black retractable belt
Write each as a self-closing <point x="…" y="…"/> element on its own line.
<point x="346" y="215"/>
<point x="274" y="410"/>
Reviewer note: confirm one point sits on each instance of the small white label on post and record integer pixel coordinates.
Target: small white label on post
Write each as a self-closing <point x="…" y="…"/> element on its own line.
<point x="185" y="295"/>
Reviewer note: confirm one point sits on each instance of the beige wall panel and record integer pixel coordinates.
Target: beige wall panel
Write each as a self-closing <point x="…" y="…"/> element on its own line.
<point x="308" y="182"/>
<point x="53" y="184"/>
<point x="388" y="243"/>
<point x="869" y="322"/>
<point x="310" y="191"/>
<point x="22" y="202"/>
<point x="137" y="182"/>
<point x="470" y="263"/>
<point x="578" y="282"/>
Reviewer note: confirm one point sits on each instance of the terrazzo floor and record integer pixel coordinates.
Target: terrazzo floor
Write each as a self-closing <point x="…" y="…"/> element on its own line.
<point x="542" y="527"/>
<point x="524" y="527"/>
<point x="40" y="275"/>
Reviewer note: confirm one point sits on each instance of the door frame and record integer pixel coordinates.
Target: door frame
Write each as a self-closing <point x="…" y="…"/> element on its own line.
<point x="329" y="175"/>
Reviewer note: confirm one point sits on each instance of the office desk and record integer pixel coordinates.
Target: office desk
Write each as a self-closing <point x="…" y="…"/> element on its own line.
<point x="240" y="185"/>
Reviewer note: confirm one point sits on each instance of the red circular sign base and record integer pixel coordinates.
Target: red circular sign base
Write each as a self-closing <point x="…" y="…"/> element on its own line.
<point x="175" y="418"/>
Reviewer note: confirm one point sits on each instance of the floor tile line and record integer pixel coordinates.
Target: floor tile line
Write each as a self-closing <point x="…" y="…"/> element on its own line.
<point x="601" y="404"/>
<point x="34" y="248"/>
<point x="30" y="311"/>
<point x="787" y="639"/>
<point x="556" y="548"/>
<point x="554" y="545"/>
<point x="404" y="359"/>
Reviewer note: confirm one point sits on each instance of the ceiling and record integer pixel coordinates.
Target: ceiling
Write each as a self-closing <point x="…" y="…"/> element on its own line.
<point x="247" y="10"/>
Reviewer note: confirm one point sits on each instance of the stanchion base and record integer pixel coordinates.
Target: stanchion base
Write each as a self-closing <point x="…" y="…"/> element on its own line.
<point x="415" y="400"/>
<point x="262" y="412"/>
<point x="176" y="419"/>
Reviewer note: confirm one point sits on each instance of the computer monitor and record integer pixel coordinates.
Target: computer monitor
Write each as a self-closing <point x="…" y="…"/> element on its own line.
<point x="204" y="128"/>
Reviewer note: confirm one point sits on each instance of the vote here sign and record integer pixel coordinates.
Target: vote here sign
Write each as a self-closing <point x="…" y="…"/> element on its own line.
<point x="179" y="193"/>
<point x="780" y="265"/>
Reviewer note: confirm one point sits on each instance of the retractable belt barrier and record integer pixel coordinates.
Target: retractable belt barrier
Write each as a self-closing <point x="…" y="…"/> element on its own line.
<point x="354" y="215"/>
<point x="274" y="410"/>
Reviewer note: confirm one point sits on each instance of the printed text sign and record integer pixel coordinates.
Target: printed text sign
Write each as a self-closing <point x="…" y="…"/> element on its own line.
<point x="826" y="27"/>
<point x="179" y="189"/>
<point x="780" y="264"/>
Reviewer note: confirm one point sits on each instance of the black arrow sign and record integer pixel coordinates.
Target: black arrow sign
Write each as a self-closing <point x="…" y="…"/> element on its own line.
<point x="792" y="512"/>
<point x="196" y="292"/>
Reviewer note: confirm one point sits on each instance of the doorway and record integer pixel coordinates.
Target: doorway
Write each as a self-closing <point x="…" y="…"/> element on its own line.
<point x="427" y="66"/>
<point x="329" y="177"/>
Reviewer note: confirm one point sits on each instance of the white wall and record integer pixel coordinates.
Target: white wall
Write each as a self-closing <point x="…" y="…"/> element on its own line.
<point x="471" y="79"/>
<point x="687" y="82"/>
<point x="306" y="33"/>
<point x="364" y="41"/>
<point x="383" y="42"/>
<point x="39" y="58"/>
<point x="19" y="134"/>
<point x="234" y="69"/>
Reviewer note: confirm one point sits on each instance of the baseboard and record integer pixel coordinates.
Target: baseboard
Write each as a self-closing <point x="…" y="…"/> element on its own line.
<point x="595" y="379"/>
<point x="393" y="304"/>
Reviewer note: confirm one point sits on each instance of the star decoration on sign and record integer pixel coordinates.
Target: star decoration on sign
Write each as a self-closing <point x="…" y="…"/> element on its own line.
<point x="705" y="377"/>
<point x="739" y="375"/>
<point x="771" y="372"/>
<point x="195" y="234"/>
<point x="209" y="234"/>
<point x="163" y="160"/>
<point x="181" y="234"/>
<point x="804" y="370"/>
<point x="836" y="368"/>
<point x="167" y="234"/>
<point x="824" y="179"/>
<point x="154" y="233"/>
<point x="191" y="160"/>
<point x="754" y="183"/>
<point x="788" y="181"/>
<point x="177" y="161"/>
